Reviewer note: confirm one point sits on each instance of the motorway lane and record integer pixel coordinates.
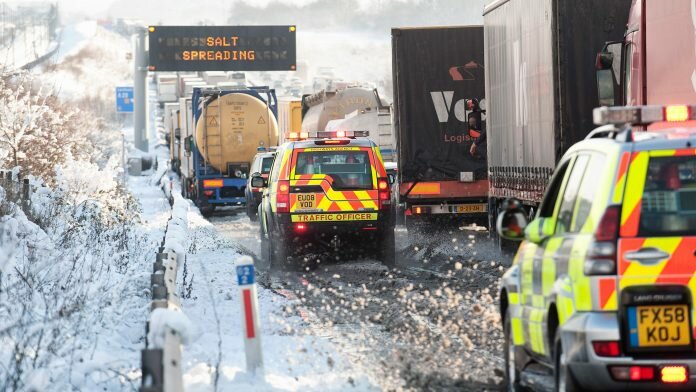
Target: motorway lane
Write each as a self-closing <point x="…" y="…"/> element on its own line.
<point x="431" y="323"/>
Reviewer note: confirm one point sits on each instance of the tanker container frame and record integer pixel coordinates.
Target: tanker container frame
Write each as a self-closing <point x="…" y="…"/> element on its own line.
<point x="540" y="88"/>
<point x="211" y="187"/>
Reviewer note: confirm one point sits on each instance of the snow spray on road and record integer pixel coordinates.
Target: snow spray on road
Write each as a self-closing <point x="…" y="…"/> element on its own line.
<point x="249" y="300"/>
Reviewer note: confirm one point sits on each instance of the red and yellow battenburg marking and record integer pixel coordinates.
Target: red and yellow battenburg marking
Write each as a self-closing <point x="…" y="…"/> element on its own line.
<point x="678" y="269"/>
<point x="331" y="200"/>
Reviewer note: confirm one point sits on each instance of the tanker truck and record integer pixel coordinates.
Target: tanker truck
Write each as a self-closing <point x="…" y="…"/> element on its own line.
<point x="228" y="127"/>
<point x="351" y="108"/>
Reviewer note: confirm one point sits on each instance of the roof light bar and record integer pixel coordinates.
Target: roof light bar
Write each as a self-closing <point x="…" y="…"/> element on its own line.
<point x="327" y="135"/>
<point x="643" y="115"/>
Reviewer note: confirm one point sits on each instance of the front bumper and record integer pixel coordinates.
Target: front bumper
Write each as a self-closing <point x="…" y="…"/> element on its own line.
<point x="592" y="372"/>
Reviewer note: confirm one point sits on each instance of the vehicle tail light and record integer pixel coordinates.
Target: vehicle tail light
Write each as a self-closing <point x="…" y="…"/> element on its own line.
<point x="633" y="373"/>
<point x="674" y="374"/>
<point x="602" y="256"/>
<point x="418" y="210"/>
<point x="606" y="348"/>
<point x="300" y="227"/>
<point x="384" y="193"/>
<point x="283" y="196"/>
<point x="208" y="193"/>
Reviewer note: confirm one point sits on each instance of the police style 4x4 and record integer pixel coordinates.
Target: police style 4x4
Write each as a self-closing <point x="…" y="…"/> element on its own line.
<point x="330" y="190"/>
<point x="602" y="286"/>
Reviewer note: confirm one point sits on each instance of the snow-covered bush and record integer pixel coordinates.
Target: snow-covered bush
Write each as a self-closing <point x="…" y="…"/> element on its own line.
<point x="58" y="278"/>
<point x="37" y="132"/>
<point x="73" y="257"/>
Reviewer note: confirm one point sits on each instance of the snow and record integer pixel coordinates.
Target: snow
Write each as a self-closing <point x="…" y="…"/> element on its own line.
<point x="295" y="358"/>
<point x="75" y="37"/>
<point x="161" y="319"/>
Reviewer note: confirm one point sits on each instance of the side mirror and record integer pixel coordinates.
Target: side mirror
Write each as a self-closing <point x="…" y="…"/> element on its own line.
<point x="540" y="229"/>
<point x="258" y="182"/>
<point x="605" y="87"/>
<point x="607" y="64"/>
<point x="391" y="179"/>
<point x="511" y="223"/>
<point x="605" y="60"/>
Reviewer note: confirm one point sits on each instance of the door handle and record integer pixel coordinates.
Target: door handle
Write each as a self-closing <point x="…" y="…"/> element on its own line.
<point x="647" y="256"/>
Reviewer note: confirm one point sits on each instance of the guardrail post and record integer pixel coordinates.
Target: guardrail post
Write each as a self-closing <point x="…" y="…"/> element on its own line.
<point x="246" y="279"/>
<point x="26" y="192"/>
<point x="152" y="377"/>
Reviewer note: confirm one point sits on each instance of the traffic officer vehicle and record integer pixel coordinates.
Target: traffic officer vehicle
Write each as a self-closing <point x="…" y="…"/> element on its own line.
<point x="326" y="190"/>
<point x="260" y="166"/>
<point x="601" y="291"/>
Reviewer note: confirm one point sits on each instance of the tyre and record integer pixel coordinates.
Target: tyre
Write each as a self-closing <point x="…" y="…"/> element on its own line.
<point x="278" y="253"/>
<point x="512" y="373"/>
<point x="413" y="232"/>
<point x="387" y="248"/>
<point x="207" y="210"/>
<point x="265" y="247"/>
<point x="251" y="212"/>
<point x="564" y="380"/>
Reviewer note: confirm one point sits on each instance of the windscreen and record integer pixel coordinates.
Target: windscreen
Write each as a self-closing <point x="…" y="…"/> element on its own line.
<point x="266" y="164"/>
<point x="348" y="169"/>
<point x="669" y="197"/>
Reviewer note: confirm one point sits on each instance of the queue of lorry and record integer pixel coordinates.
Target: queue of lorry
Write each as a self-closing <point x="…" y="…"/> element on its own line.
<point x="495" y="125"/>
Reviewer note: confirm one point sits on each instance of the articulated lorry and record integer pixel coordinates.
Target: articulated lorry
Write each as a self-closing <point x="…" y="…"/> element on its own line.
<point x="437" y="72"/>
<point x="655" y="61"/>
<point x="540" y="87"/>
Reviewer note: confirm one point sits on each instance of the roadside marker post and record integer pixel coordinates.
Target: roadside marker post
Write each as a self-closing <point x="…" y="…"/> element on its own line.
<point x="246" y="279"/>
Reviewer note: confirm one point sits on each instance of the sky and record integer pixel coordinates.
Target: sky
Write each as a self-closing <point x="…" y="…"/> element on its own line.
<point x="215" y="11"/>
<point x="351" y="36"/>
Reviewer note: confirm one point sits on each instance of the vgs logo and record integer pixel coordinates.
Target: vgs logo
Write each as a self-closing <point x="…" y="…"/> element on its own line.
<point x="446" y="106"/>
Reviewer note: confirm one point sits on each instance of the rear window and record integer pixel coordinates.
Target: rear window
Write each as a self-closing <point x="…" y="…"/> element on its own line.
<point x="348" y="169"/>
<point x="266" y="164"/>
<point x="669" y="197"/>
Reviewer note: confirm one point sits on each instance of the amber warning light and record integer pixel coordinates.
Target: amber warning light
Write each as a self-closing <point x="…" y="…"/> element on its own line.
<point x="643" y="115"/>
<point x="216" y="183"/>
<point x="674" y="374"/>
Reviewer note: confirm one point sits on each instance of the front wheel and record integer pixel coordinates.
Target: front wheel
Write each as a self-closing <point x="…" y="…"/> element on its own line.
<point x="512" y="372"/>
<point x="564" y="380"/>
